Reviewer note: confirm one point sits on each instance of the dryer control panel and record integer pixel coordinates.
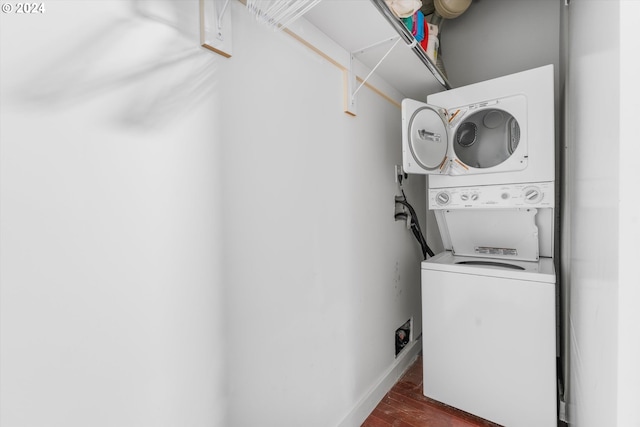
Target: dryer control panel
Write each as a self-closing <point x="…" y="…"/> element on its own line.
<point x="527" y="195"/>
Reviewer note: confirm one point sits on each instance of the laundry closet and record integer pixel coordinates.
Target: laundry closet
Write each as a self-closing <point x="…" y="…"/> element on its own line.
<point x="201" y="221"/>
<point x="474" y="50"/>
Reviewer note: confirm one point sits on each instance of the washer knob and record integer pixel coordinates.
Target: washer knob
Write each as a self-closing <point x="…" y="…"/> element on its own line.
<point x="443" y="198"/>
<point x="464" y="197"/>
<point x="474" y="196"/>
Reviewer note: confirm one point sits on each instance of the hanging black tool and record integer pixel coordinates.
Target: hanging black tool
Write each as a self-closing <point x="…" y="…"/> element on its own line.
<point x="414" y="224"/>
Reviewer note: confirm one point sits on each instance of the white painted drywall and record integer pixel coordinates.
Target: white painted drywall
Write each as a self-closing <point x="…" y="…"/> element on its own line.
<point x="602" y="214"/>
<point x="629" y="219"/>
<point x="110" y="242"/>
<point x="592" y="205"/>
<point x="188" y="239"/>
<point x="318" y="275"/>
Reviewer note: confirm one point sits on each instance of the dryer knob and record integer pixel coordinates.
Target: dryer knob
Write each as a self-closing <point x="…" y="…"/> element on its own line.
<point x="443" y="198"/>
<point x="532" y="195"/>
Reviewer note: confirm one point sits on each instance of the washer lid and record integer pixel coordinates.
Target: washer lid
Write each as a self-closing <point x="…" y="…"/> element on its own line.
<point x="492" y="233"/>
<point x="542" y="271"/>
<point x="428" y="137"/>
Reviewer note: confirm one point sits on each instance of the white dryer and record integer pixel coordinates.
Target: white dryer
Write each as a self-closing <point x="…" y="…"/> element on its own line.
<point x="496" y="131"/>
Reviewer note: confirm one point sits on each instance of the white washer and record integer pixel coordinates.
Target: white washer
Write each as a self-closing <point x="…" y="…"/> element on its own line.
<point x="488" y="303"/>
<point x="489" y="344"/>
<point x="492" y="132"/>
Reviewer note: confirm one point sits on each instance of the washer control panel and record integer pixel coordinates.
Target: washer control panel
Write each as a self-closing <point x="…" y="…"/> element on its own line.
<point x="535" y="195"/>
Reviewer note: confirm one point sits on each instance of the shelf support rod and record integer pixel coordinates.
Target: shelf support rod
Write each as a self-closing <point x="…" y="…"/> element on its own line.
<point x="374" y="68"/>
<point x="350" y="108"/>
<point x="221" y="16"/>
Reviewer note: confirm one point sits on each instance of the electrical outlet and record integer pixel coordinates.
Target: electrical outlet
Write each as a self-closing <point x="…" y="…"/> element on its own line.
<point x="401" y="213"/>
<point x="400" y="208"/>
<point x="400" y="175"/>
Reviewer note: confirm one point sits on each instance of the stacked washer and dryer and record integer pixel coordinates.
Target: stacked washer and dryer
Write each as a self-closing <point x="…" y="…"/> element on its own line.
<point x="488" y="300"/>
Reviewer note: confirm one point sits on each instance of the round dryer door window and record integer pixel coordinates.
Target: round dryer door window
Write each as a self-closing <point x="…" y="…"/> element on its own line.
<point x="428" y="137"/>
<point x="486" y="138"/>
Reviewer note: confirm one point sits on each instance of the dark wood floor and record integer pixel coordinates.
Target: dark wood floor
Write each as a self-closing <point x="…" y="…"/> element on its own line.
<point x="406" y="406"/>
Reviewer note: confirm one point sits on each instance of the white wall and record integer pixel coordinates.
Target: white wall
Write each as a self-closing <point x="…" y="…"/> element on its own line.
<point x="592" y="209"/>
<point x="602" y="219"/>
<point x="188" y="239"/>
<point x="629" y="220"/>
<point x="110" y="239"/>
<point x="317" y="274"/>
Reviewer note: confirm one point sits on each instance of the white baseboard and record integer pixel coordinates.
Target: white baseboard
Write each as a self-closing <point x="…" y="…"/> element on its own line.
<point x="373" y="396"/>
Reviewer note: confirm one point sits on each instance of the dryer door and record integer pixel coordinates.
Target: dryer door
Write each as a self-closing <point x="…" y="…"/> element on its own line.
<point x="425" y="138"/>
<point x="484" y="137"/>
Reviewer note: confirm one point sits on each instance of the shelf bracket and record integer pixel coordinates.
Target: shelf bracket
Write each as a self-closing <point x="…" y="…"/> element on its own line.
<point x="352" y="80"/>
<point x="215" y="27"/>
